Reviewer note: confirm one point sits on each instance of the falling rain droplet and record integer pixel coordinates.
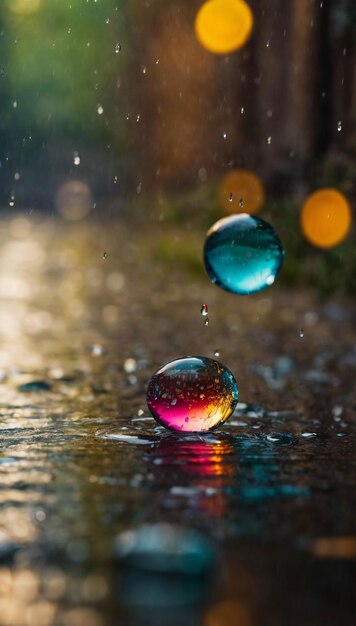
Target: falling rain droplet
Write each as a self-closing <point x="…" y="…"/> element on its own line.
<point x="269" y="140"/>
<point x="242" y="110"/>
<point x="105" y="255"/>
<point x="339" y="126"/>
<point x="216" y="353"/>
<point x="100" y="109"/>
<point x="235" y="254"/>
<point x="301" y="333"/>
<point x="224" y="135"/>
<point x="267" y="43"/>
<point x="204" y="310"/>
<point x="76" y="159"/>
<point x="206" y="321"/>
<point x="230" y="197"/>
<point x="241" y="203"/>
<point x="118" y="48"/>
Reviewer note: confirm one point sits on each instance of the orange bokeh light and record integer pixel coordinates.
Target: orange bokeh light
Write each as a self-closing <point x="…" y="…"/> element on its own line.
<point x="223" y="26"/>
<point x="241" y="191"/>
<point x="326" y="218"/>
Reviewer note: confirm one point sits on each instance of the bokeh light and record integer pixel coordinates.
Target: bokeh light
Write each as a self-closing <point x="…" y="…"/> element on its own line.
<point x="74" y="200"/>
<point x="241" y="191"/>
<point x="326" y="218"/>
<point x="227" y="613"/>
<point x="24" y="7"/>
<point x="223" y="26"/>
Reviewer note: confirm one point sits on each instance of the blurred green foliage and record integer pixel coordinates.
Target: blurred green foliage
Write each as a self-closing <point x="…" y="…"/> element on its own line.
<point x="59" y="65"/>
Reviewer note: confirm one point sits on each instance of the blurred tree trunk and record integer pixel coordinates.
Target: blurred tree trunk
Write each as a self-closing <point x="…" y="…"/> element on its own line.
<point x="304" y="83"/>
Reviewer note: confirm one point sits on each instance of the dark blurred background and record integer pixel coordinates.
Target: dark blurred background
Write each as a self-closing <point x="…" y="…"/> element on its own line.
<point x="121" y="96"/>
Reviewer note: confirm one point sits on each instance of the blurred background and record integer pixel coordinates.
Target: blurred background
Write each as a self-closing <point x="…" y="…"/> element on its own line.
<point x="118" y="108"/>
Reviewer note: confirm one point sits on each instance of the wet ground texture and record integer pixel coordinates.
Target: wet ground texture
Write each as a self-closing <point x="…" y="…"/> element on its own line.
<point x="263" y="509"/>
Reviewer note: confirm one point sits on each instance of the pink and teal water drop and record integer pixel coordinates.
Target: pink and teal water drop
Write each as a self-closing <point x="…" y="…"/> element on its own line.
<point x="192" y="394"/>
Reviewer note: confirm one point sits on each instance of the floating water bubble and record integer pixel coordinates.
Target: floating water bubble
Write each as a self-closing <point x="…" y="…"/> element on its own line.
<point x="204" y="310"/>
<point x="242" y="254"/>
<point x="301" y="333"/>
<point x="224" y="135"/>
<point x="118" y="48"/>
<point x="339" y="126"/>
<point x="269" y="140"/>
<point x="205" y="391"/>
<point x="241" y="203"/>
<point x="100" y="109"/>
<point x="216" y="353"/>
<point x="104" y="256"/>
<point x="76" y="159"/>
<point x="206" y="321"/>
<point x="230" y="197"/>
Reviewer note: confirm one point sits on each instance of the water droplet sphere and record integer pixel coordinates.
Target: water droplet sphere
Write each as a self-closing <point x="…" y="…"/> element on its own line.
<point x="243" y="254"/>
<point x="192" y="394"/>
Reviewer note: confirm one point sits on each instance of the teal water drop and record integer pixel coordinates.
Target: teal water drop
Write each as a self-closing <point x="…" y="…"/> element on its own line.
<point x="243" y="254"/>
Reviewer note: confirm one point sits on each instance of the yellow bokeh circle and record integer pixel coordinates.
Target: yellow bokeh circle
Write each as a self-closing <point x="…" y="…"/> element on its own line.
<point x="223" y="26"/>
<point x="326" y="218"/>
<point x="241" y="191"/>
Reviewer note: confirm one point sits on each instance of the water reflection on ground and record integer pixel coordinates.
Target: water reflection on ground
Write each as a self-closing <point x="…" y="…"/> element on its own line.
<point x="82" y="461"/>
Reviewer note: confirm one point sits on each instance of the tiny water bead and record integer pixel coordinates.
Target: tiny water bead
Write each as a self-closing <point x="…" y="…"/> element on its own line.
<point x="243" y="254"/>
<point x="192" y="394"/>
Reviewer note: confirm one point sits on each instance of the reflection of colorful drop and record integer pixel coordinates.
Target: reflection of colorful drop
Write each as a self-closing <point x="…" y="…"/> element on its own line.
<point x="192" y="394"/>
<point x="243" y="254"/>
